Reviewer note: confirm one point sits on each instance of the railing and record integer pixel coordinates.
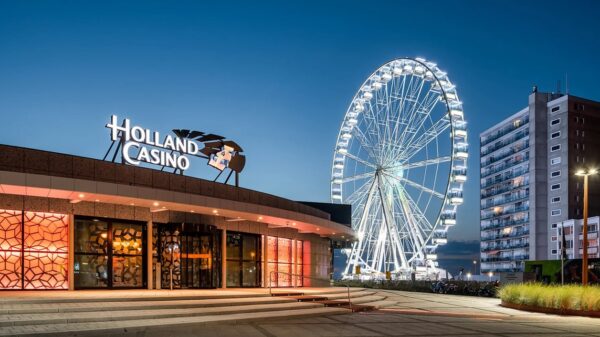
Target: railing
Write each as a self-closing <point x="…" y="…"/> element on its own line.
<point x="506" y="223"/>
<point x="504" y="177"/>
<point x="517" y="136"/>
<point x="499" y="190"/>
<point x="303" y="277"/>
<point x="489" y="215"/>
<point x="487" y="171"/>
<point x="503" y="131"/>
<point x="506" y="153"/>
<point x="503" y="200"/>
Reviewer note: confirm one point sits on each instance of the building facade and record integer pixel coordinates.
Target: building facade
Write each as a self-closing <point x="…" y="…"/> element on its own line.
<point x="573" y="239"/>
<point x="527" y="181"/>
<point x="68" y="222"/>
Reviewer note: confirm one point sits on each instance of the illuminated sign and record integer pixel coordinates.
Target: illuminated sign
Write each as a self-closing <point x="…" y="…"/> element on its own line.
<point x="170" y="151"/>
<point x="141" y="145"/>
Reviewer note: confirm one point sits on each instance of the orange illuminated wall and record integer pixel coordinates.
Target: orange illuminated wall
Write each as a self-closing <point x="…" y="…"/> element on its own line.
<point x="285" y="259"/>
<point x="33" y="250"/>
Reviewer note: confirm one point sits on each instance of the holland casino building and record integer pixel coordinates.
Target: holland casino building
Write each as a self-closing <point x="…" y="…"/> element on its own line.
<point x="68" y="222"/>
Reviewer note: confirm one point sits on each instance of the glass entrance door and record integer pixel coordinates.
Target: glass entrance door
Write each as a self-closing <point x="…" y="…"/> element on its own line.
<point x="196" y="260"/>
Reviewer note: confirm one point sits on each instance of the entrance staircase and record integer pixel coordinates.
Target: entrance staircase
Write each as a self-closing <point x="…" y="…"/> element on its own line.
<point x="69" y="314"/>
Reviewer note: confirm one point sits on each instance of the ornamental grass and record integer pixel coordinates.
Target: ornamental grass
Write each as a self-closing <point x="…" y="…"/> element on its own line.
<point x="567" y="297"/>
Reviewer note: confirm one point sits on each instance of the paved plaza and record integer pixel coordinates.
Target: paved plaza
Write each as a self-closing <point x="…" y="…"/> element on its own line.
<point x="399" y="314"/>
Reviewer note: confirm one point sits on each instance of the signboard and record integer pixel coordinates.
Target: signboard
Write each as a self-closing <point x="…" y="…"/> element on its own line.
<point x="139" y="145"/>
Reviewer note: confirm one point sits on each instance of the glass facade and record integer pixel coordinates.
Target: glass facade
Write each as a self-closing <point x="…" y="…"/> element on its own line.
<point x="189" y="254"/>
<point x="109" y="254"/>
<point x="505" y="196"/>
<point x="243" y="260"/>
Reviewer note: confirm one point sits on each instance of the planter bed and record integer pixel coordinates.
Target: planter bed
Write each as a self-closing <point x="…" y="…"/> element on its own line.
<point x="554" y="311"/>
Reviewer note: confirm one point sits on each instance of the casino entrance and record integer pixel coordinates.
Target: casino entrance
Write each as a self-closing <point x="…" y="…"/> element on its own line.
<point x="190" y="256"/>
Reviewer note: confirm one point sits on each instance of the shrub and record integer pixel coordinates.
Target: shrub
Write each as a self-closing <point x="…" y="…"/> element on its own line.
<point x="572" y="297"/>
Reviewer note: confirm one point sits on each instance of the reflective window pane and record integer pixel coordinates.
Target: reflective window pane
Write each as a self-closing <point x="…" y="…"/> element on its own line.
<point x="91" y="271"/>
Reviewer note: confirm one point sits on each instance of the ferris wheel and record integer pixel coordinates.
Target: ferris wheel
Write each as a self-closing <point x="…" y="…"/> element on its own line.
<point x="400" y="160"/>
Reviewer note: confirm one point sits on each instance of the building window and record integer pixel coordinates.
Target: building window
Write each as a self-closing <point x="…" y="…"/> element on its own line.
<point x="553" y="251"/>
<point x="582" y="120"/>
<point x="555" y="199"/>
<point x="553" y="239"/>
<point x="517" y="123"/>
<point x="243" y="260"/>
<point x="555" y="134"/>
<point x="555" y="174"/>
<point x="555" y="187"/>
<point x="555" y="121"/>
<point x="556" y="108"/>
<point x="555" y="212"/>
<point x="554" y="225"/>
<point x="555" y="148"/>
<point x="555" y="160"/>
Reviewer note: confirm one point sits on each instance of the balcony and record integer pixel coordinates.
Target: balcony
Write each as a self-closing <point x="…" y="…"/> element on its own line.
<point x="512" y="234"/>
<point x="501" y="201"/>
<point x="517" y="136"/>
<point x="510" y="163"/>
<point x="507" y="153"/>
<point x="501" y="224"/>
<point x="488" y="248"/>
<point x="504" y="131"/>
<point x="509" y="187"/>
<point x="510" y="210"/>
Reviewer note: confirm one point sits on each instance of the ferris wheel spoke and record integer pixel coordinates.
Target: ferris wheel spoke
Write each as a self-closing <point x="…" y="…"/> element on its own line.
<point x="422" y="163"/>
<point x="415" y="185"/>
<point x="357" y="177"/>
<point x="364" y="142"/>
<point x="395" y="243"/>
<point x="358" y="194"/>
<point x="416" y="145"/>
<point x="416" y="210"/>
<point x="414" y="232"/>
<point x="356" y="159"/>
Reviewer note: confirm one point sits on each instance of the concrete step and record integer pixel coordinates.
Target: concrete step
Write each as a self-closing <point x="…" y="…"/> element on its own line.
<point x="136" y="305"/>
<point x="121" y="315"/>
<point x="342" y="296"/>
<point x="132" y="326"/>
<point x="380" y="304"/>
<point x="367" y="299"/>
<point x="308" y="298"/>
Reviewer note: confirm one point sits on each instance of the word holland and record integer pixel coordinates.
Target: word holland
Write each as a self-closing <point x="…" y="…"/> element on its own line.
<point x="135" y="137"/>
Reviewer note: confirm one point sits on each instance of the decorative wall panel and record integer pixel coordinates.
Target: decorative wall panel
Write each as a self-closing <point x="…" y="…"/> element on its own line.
<point x="33" y="250"/>
<point x="10" y="249"/>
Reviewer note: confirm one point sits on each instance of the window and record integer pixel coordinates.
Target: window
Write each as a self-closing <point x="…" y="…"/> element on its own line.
<point x="555" y="148"/>
<point x="582" y="120"/>
<point x="554" y="225"/>
<point x="556" y="108"/>
<point x="553" y="239"/>
<point x="555" y="160"/>
<point x="582" y="133"/>
<point x="555" y="134"/>
<point x="553" y="251"/>
<point x="555" y="174"/>
<point x="555" y="212"/>
<point x="555" y="187"/>
<point x="555" y="121"/>
<point x="555" y="199"/>
<point x="243" y="260"/>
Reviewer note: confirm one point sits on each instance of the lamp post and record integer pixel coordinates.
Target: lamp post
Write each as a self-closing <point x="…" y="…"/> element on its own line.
<point x="475" y="266"/>
<point x="584" y="270"/>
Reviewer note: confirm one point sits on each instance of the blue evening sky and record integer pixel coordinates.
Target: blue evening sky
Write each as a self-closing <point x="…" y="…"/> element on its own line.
<point x="275" y="76"/>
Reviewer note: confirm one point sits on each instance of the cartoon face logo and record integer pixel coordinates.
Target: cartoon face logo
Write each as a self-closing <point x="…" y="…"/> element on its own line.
<point x="221" y="159"/>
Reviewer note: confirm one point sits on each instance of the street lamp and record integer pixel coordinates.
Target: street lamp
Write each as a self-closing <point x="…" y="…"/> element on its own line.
<point x="475" y="265"/>
<point x="469" y="276"/>
<point x="585" y="174"/>
<point x="490" y="274"/>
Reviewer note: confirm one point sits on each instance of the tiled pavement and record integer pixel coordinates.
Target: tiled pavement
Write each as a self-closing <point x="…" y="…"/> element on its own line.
<point x="405" y="314"/>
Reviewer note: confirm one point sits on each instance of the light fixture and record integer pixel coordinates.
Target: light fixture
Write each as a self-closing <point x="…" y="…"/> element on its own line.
<point x="97" y="200"/>
<point x="260" y="218"/>
<point x="81" y="195"/>
<point x="155" y="203"/>
<point x="192" y="211"/>
<point x="215" y="211"/>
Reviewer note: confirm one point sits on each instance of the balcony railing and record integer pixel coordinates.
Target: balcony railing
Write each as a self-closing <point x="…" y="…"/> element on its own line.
<point x="498" y="168"/>
<point x="509" y="152"/>
<point x="504" y="246"/>
<point x="512" y="234"/>
<point x="501" y="224"/>
<point x="509" y="187"/>
<point x="506" y="176"/>
<point x="503" y="131"/>
<point x="507" y="211"/>
<point x="519" y="135"/>
<point x="501" y="201"/>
